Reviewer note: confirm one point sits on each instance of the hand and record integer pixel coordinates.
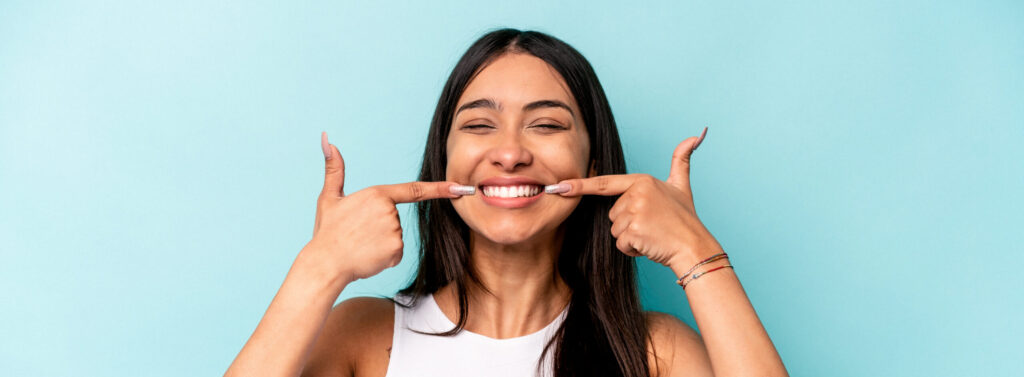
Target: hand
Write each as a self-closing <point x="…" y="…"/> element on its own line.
<point x="359" y="235"/>
<point x="655" y="218"/>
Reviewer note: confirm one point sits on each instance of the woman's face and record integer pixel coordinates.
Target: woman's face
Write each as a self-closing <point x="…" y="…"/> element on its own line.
<point x="517" y="128"/>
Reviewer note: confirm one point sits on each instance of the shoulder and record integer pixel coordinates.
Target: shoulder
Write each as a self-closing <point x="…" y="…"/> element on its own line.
<point x="676" y="348"/>
<point x="357" y="331"/>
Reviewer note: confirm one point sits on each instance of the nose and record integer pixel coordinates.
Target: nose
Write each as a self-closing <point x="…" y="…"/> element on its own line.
<point x="510" y="153"/>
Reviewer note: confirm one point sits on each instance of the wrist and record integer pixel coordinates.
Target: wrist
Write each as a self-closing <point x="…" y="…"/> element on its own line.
<point x="684" y="263"/>
<point x="313" y="266"/>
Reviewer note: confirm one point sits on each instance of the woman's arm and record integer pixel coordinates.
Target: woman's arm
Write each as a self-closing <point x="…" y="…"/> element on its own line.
<point x="282" y="342"/>
<point x="736" y="342"/>
<point x="355" y="236"/>
<point x="657" y="219"/>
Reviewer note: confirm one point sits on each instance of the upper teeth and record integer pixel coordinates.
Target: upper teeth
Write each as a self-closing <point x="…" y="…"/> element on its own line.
<point x="511" y="191"/>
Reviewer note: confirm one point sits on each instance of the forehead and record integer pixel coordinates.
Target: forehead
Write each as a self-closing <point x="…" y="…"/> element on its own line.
<point x="514" y="79"/>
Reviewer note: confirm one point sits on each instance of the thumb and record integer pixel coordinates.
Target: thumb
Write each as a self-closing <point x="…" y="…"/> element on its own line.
<point x="679" y="174"/>
<point x="334" y="165"/>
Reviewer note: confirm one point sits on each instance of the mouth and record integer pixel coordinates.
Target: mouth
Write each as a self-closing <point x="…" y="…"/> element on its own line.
<point x="510" y="192"/>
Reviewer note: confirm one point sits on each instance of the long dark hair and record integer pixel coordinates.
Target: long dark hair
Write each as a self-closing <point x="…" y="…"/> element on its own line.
<point x="605" y="331"/>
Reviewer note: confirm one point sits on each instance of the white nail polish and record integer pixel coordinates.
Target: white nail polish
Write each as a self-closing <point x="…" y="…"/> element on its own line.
<point x="462" y="190"/>
<point x="557" y="188"/>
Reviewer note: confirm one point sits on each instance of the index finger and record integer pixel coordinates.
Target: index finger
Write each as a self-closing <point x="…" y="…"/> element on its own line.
<point x="412" y="192"/>
<point x="612" y="184"/>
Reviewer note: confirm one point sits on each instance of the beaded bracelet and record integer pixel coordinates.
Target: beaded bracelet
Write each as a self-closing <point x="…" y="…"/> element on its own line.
<point x="706" y="261"/>
<point x="699" y="274"/>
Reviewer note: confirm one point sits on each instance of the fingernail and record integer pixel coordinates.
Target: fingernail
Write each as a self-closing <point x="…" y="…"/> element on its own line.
<point x="462" y="190"/>
<point x="325" y="146"/>
<point x="700" y="139"/>
<point x="557" y="188"/>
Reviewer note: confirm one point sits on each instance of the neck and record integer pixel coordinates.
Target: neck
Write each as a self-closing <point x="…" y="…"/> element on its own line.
<point x="525" y="294"/>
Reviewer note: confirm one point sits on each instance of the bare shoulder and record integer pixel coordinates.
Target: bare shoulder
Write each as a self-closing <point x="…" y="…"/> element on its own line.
<point x="355" y="340"/>
<point x="677" y="349"/>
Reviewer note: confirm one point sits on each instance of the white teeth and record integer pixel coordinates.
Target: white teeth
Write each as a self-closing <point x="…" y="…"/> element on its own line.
<point x="511" y="191"/>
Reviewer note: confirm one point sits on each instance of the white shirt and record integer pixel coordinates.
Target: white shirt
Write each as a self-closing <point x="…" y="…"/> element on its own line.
<point x="464" y="354"/>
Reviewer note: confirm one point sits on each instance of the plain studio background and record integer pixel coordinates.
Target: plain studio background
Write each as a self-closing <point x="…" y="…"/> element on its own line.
<point x="160" y="163"/>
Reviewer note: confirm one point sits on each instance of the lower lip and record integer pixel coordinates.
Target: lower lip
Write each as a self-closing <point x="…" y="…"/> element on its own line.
<point x="519" y="202"/>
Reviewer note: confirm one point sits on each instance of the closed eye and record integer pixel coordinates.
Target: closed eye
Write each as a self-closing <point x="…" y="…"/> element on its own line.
<point x="548" y="126"/>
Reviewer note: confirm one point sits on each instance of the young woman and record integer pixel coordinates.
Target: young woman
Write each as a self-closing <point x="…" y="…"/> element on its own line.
<point x="529" y="228"/>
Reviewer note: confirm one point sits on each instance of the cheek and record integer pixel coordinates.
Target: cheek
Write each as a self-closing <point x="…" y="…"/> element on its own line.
<point x="567" y="159"/>
<point x="461" y="159"/>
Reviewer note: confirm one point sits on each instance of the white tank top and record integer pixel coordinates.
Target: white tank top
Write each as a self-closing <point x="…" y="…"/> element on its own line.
<point x="464" y="354"/>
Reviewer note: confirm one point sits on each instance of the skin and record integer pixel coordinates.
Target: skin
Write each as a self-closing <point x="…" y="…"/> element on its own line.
<point x="514" y="250"/>
<point x="358" y="235"/>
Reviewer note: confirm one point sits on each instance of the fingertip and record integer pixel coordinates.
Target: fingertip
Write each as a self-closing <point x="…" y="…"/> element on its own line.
<point x="456" y="190"/>
<point x="325" y="145"/>
<point x="337" y="152"/>
<point x="563" y="188"/>
<point x="701" y="138"/>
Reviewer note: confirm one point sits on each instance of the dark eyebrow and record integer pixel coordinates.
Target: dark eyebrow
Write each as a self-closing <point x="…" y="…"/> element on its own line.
<point x="491" y="104"/>
<point x="483" y="102"/>
<point x="547" y="103"/>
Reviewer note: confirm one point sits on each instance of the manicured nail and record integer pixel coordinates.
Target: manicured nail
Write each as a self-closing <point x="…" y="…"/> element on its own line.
<point x="557" y="188"/>
<point x="462" y="190"/>
<point x="325" y="146"/>
<point x="700" y="139"/>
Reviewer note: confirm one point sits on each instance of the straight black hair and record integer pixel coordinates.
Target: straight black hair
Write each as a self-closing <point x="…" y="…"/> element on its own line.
<point x="605" y="331"/>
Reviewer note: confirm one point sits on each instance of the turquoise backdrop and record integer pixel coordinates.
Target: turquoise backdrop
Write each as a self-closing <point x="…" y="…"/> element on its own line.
<point x="160" y="163"/>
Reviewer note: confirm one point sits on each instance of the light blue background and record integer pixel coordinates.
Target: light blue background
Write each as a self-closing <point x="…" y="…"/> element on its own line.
<point x="160" y="162"/>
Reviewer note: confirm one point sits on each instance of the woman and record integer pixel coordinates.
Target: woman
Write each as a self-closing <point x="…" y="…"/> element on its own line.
<point x="528" y="227"/>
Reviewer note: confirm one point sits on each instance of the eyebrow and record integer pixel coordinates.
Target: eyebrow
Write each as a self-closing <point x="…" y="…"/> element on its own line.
<point x="491" y="104"/>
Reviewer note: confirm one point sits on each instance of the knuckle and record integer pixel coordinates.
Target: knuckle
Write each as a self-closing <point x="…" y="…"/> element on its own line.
<point x="416" y="190"/>
<point x="622" y="245"/>
<point x="601" y="184"/>
<point x="616" y="231"/>
<point x="638" y="205"/>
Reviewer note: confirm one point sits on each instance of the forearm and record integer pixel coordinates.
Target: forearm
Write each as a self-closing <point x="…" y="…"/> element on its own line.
<point x="737" y="342"/>
<point x="281" y="343"/>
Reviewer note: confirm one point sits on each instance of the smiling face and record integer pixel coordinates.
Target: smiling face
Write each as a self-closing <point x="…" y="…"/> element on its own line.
<point x="517" y="128"/>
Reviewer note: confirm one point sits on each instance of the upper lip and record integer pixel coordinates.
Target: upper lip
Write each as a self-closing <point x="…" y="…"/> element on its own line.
<point x="509" y="181"/>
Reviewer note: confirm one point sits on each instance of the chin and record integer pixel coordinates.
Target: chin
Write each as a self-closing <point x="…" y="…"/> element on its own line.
<point x="513" y="228"/>
<point x="509" y="233"/>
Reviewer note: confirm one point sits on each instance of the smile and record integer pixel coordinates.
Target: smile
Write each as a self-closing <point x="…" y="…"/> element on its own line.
<point x="511" y="191"/>
<point x="515" y="196"/>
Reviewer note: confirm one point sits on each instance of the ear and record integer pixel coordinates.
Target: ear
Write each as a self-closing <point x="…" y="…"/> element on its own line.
<point x="592" y="171"/>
